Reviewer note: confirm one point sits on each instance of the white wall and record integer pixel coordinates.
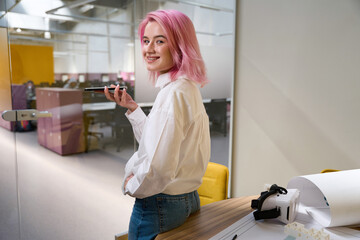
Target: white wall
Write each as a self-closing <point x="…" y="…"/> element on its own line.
<point x="297" y="90"/>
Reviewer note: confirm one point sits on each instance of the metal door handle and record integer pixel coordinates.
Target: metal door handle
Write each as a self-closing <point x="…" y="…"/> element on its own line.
<point x="42" y="114"/>
<point x="26" y="114"/>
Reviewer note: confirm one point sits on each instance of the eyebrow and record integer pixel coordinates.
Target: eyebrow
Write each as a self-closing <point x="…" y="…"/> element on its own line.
<point x="157" y="36"/>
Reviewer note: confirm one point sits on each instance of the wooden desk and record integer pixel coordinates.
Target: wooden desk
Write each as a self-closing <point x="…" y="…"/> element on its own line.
<point x="211" y="219"/>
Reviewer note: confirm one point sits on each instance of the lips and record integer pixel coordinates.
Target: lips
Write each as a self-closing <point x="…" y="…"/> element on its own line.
<point x="151" y="59"/>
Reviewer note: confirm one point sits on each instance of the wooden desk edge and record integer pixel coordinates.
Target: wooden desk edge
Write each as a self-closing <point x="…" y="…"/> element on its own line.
<point x="211" y="219"/>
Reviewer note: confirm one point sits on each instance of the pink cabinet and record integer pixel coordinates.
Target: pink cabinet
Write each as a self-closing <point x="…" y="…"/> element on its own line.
<point x="63" y="133"/>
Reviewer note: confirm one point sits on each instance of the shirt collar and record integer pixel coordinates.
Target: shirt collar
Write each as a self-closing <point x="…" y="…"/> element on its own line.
<point x="163" y="80"/>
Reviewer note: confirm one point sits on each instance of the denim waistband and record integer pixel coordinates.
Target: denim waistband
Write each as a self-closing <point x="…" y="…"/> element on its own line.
<point x="166" y="195"/>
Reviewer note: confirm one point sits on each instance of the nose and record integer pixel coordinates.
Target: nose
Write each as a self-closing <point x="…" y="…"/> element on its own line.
<point x="150" y="47"/>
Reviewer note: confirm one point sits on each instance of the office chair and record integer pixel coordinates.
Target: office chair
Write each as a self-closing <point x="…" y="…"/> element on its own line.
<point x="121" y="236"/>
<point x="329" y="170"/>
<point x="89" y="120"/>
<point x="121" y="129"/>
<point x="215" y="184"/>
<point x="217" y="112"/>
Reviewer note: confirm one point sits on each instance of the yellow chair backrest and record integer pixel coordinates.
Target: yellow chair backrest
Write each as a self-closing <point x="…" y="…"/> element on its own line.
<point x="329" y="170"/>
<point x="215" y="184"/>
<point x="122" y="236"/>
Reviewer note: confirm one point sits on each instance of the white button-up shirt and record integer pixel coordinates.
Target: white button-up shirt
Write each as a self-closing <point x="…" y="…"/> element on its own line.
<point x="174" y="141"/>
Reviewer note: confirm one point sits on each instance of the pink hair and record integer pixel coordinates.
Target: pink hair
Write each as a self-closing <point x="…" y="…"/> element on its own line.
<point x="183" y="44"/>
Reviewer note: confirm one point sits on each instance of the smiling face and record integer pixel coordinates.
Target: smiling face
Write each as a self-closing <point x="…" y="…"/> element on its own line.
<point x="155" y="49"/>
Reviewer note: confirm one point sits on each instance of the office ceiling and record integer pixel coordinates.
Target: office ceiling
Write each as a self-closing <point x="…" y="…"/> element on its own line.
<point x="30" y="19"/>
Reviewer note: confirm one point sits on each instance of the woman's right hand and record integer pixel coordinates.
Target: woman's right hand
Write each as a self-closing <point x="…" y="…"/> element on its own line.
<point x="127" y="180"/>
<point x="121" y="97"/>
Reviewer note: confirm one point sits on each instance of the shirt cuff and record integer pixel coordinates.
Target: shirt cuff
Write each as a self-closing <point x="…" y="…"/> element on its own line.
<point x="129" y="186"/>
<point x="136" y="116"/>
<point x="123" y="188"/>
<point x="128" y="171"/>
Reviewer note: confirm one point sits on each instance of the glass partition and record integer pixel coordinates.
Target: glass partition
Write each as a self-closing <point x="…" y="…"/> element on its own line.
<point x="67" y="170"/>
<point x="9" y="207"/>
<point x="79" y="44"/>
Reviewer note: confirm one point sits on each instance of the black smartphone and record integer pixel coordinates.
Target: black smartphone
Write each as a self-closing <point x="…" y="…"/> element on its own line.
<point x="102" y="88"/>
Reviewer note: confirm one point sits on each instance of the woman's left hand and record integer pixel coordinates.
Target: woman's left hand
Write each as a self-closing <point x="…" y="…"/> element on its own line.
<point x="121" y="97"/>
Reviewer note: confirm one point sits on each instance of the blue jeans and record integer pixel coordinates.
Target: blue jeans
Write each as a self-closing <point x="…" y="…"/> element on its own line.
<point x="160" y="213"/>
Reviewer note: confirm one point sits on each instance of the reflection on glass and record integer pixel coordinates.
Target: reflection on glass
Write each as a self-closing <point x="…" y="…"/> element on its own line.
<point x="71" y="165"/>
<point x="96" y="45"/>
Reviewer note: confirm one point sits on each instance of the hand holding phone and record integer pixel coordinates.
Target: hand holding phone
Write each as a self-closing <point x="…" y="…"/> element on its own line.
<point x="122" y="98"/>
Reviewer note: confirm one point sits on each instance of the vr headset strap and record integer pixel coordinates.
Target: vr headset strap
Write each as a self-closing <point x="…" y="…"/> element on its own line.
<point x="257" y="204"/>
<point x="267" y="214"/>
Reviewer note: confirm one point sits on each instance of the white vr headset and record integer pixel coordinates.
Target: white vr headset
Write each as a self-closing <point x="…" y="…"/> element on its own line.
<point x="278" y="203"/>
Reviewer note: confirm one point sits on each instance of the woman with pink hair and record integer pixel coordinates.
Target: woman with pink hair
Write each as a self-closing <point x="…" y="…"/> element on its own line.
<point x="174" y="139"/>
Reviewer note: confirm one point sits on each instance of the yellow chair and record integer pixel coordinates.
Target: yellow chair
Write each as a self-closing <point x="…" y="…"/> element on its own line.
<point x="329" y="170"/>
<point x="215" y="184"/>
<point x="122" y="236"/>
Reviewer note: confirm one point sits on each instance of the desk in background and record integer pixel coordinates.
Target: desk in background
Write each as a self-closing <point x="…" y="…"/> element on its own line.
<point x="100" y="112"/>
<point x="87" y="107"/>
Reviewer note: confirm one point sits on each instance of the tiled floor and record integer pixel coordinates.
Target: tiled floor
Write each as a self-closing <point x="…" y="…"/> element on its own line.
<point x="77" y="196"/>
